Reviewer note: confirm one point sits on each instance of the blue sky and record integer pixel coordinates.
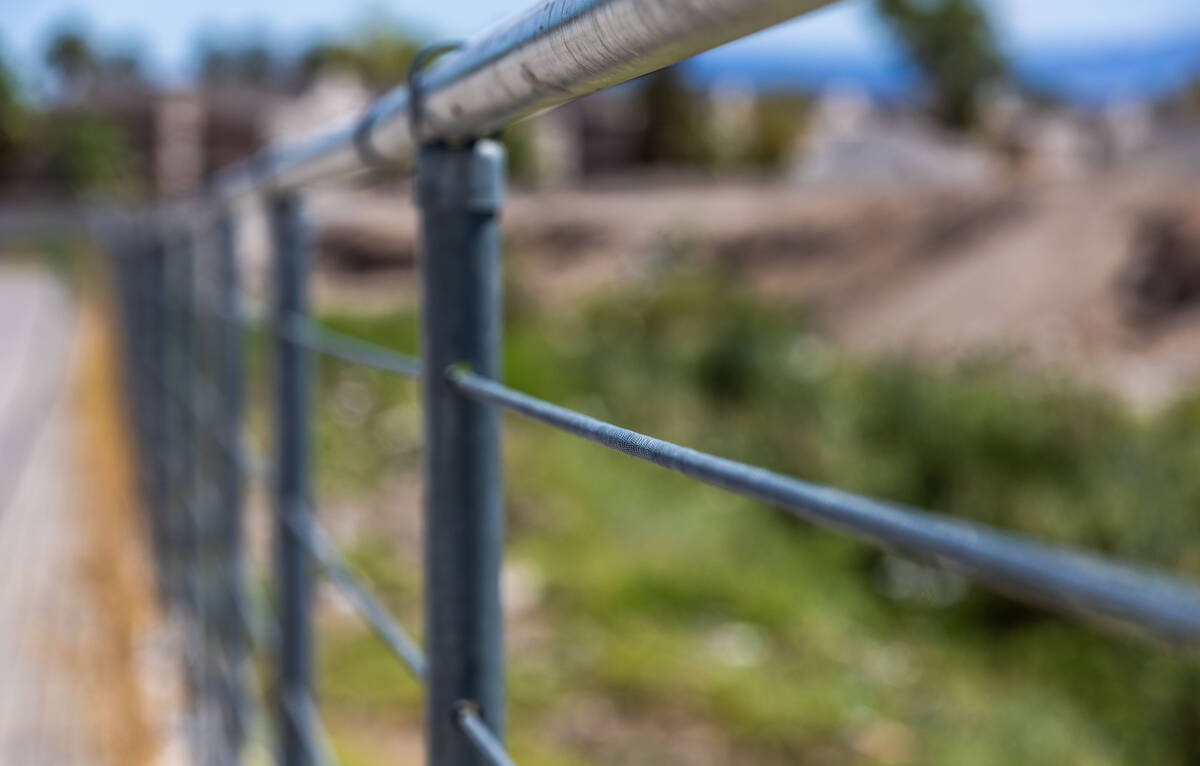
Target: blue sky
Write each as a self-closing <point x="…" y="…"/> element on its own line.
<point x="166" y="31"/>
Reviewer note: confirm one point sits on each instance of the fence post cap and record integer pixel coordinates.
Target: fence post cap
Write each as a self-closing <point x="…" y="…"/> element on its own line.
<point x="449" y="178"/>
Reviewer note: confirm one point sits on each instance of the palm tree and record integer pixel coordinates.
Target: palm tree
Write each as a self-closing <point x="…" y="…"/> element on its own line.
<point x="952" y="43"/>
<point x="71" y="58"/>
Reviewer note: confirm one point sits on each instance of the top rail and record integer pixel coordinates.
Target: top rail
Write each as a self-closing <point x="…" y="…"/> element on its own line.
<point x="551" y="54"/>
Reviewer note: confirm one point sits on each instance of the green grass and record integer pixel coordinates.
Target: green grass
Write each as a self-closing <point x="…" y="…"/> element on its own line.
<point x="680" y="624"/>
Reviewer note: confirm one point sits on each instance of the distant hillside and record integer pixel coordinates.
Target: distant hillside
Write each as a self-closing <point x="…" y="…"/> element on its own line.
<point x="1133" y="71"/>
<point x="1144" y="71"/>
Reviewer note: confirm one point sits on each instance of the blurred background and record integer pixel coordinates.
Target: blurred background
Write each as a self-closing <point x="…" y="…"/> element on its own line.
<point x="944" y="252"/>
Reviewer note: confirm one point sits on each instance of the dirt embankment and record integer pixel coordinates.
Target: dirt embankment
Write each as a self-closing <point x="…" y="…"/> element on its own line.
<point x="1099" y="276"/>
<point x="129" y="700"/>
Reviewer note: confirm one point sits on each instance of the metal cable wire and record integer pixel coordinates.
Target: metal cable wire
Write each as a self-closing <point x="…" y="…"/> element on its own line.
<point x="309" y="334"/>
<point x="318" y="543"/>
<point x="303" y="714"/>
<point x="260" y="639"/>
<point x="337" y="569"/>
<point x="1074" y="582"/>
<point x="479" y="735"/>
<point x="304" y="332"/>
<point x="250" y="463"/>
<point x="200" y="408"/>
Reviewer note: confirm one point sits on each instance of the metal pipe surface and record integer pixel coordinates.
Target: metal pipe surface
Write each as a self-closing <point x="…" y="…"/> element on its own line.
<point x="227" y="435"/>
<point x="549" y="55"/>
<point x="459" y="191"/>
<point x="478" y="734"/>
<point x="361" y="597"/>
<point x="292" y="481"/>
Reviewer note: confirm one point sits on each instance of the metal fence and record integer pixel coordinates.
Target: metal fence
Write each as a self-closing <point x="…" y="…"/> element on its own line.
<point x="184" y="335"/>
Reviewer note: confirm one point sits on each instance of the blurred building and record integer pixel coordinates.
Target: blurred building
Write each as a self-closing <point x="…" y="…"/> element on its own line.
<point x="333" y="97"/>
<point x="180" y="138"/>
<point x="853" y="141"/>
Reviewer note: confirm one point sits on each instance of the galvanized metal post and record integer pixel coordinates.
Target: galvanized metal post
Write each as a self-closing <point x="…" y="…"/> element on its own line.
<point x="134" y="262"/>
<point x="171" y="517"/>
<point x="232" y="578"/>
<point x="155" y="407"/>
<point x="138" y="332"/>
<point x="293" y="578"/>
<point x="180" y="389"/>
<point x="182" y="523"/>
<point x="460" y="190"/>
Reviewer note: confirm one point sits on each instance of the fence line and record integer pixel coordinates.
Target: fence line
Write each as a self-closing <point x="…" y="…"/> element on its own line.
<point x="314" y="337"/>
<point x="185" y="380"/>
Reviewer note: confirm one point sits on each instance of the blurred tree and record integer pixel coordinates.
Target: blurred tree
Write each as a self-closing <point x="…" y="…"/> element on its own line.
<point x="520" y="144"/>
<point x="1191" y="97"/>
<point x="90" y="155"/>
<point x="329" y="56"/>
<point x="122" y="66"/>
<point x="677" y="129"/>
<point x="250" y="63"/>
<point x="80" y="65"/>
<point x="953" y="44"/>
<point x="386" y="54"/>
<point x="778" y="120"/>
<point x="71" y="58"/>
<point x="14" y="123"/>
<point x="380" y="55"/>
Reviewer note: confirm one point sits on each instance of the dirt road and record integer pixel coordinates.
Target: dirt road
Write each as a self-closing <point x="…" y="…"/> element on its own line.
<point x="76" y="627"/>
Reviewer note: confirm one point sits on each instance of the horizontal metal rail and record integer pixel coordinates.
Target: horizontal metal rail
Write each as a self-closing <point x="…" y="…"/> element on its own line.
<point x="1072" y="581"/>
<point x="361" y="597"/>
<point x="556" y="52"/>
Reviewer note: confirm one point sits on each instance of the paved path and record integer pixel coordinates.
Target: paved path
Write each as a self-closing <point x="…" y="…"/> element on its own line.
<point x="41" y="614"/>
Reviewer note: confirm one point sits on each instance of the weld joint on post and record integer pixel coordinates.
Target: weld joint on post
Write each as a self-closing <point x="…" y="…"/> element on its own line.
<point x="454" y="372"/>
<point x="463" y="709"/>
